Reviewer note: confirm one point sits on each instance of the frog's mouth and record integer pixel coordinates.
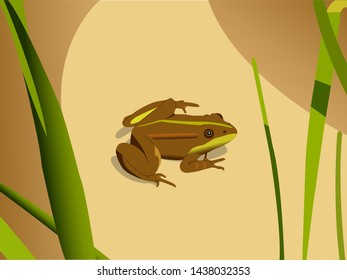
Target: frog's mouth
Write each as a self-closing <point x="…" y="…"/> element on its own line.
<point x="213" y="144"/>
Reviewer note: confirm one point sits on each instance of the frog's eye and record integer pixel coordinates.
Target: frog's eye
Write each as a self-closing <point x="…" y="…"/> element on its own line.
<point x="209" y="133"/>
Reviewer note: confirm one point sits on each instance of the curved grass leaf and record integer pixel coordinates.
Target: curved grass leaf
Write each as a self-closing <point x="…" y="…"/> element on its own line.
<point x="11" y="246"/>
<point x="19" y="7"/>
<point x="329" y="36"/>
<point x="319" y="107"/>
<point x="273" y="159"/>
<point x="38" y="213"/>
<point x="64" y="186"/>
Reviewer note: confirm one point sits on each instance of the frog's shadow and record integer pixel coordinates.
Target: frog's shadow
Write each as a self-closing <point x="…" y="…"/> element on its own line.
<point x="217" y="153"/>
<point x="123" y="131"/>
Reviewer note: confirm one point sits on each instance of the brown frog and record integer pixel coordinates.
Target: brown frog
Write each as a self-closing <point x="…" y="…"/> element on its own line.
<point x="160" y="133"/>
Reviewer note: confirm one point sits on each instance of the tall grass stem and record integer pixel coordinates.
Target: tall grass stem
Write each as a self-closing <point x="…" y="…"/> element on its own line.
<point x="273" y="160"/>
<point x="339" y="224"/>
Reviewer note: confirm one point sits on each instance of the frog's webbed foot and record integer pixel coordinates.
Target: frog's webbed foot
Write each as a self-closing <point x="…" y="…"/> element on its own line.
<point x="191" y="163"/>
<point x="183" y="105"/>
<point x="157" y="178"/>
<point x="206" y="163"/>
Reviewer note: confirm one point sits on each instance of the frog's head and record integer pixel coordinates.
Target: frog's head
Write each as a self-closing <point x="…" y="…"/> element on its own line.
<point x="214" y="132"/>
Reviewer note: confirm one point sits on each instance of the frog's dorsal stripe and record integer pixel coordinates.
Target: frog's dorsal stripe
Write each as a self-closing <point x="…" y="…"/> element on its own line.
<point x="139" y="118"/>
<point x="213" y="144"/>
<point x="186" y="123"/>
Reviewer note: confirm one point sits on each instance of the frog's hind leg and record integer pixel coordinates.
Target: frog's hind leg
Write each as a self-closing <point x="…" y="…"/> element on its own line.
<point x="134" y="161"/>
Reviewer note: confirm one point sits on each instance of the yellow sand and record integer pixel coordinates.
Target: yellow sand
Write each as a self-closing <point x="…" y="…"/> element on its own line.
<point x="128" y="54"/>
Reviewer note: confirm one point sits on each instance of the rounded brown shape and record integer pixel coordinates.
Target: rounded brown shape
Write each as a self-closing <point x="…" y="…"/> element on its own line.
<point x="284" y="38"/>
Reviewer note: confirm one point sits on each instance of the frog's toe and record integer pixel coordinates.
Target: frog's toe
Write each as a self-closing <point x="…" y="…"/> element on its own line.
<point x="219" y="167"/>
<point x="157" y="178"/>
<point x="213" y="163"/>
<point x="168" y="182"/>
<point x="183" y="105"/>
<point x="217" y="160"/>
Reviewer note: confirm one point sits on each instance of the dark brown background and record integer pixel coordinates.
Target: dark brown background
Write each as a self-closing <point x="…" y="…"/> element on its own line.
<point x="282" y="35"/>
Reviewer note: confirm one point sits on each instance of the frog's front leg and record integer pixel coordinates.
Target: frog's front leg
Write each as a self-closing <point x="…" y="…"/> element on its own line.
<point x="141" y="159"/>
<point x="191" y="163"/>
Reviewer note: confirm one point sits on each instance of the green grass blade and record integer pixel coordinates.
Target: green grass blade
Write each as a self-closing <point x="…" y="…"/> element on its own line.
<point x="64" y="185"/>
<point x="330" y="37"/>
<point x="11" y="246"/>
<point x="31" y="208"/>
<point x="319" y="107"/>
<point x="313" y="151"/>
<point x="273" y="159"/>
<point x="37" y="213"/>
<point x="100" y="255"/>
<point x="260" y="92"/>
<point x="339" y="225"/>
<point x="18" y="5"/>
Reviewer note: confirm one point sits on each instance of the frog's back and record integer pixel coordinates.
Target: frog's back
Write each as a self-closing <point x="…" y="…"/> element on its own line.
<point x="172" y="137"/>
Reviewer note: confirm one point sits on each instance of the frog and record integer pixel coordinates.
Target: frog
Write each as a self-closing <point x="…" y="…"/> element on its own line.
<point x="159" y="133"/>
